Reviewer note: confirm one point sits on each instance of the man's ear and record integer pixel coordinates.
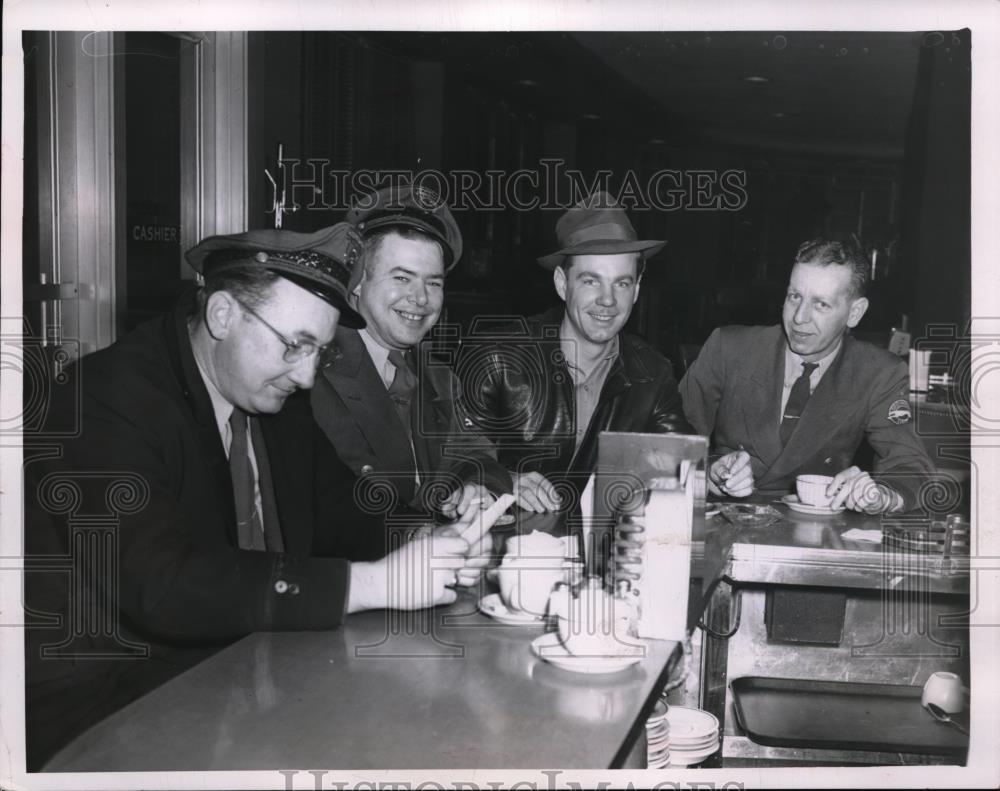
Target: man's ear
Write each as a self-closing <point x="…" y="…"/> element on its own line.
<point x="559" y="279"/>
<point x="857" y="311"/>
<point x="221" y="314"/>
<point x="635" y="294"/>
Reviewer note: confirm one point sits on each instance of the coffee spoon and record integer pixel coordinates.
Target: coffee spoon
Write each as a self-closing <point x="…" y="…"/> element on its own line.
<point x="941" y="716"/>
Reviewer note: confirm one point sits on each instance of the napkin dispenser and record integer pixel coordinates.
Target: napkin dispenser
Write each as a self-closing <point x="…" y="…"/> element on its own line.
<point x="653" y="485"/>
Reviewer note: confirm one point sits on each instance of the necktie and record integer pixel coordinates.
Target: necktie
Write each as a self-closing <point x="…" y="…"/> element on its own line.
<point x="797" y="399"/>
<point x="404" y="382"/>
<point x="248" y="524"/>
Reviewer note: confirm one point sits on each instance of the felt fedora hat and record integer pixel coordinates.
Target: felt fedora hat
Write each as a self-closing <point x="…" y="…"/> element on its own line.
<point x="597" y="225"/>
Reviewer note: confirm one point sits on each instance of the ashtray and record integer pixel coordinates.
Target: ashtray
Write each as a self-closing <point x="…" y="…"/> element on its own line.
<point x="749" y="514"/>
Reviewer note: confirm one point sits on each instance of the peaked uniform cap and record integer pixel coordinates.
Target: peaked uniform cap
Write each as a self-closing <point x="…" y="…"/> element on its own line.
<point x="320" y="262"/>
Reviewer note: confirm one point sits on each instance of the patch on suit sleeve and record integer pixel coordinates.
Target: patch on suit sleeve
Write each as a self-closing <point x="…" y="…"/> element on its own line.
<point x="899" y="411"/>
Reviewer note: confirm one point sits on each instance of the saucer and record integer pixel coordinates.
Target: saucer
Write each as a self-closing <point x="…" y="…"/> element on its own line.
<point x="792" y="501"/>
<point x="691" y="725"/>
<point x="550" y="648"/>
<point x="493" y="606"/>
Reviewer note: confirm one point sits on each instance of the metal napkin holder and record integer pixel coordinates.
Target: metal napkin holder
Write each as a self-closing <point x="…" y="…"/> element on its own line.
<point x="639" y="476"/>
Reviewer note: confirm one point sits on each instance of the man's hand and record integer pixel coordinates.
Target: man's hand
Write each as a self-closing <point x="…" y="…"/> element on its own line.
<point x="472" y="495"/>
<point x="469" y="527"/>
<point x="732" y="475"/>
<point x="534" y="492"/>
<point x="417" y="575"/>
<point x="855" y="489"/>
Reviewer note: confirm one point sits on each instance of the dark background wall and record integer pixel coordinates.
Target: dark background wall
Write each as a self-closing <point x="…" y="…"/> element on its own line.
<point x="822" y="149"/>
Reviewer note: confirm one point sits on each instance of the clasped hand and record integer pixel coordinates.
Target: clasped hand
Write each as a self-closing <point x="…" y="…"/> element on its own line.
<point x="424" y="571"/>
<point x="854" y="489"/>
<point x="731" y="475"/>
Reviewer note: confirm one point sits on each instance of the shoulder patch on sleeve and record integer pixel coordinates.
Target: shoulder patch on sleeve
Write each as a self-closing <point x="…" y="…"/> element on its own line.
<point x="899" y="412"/>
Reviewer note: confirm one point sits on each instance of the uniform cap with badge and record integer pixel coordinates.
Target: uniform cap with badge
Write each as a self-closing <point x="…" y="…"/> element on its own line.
<point x="320" y="262"/>
<point x="408" y="206"/>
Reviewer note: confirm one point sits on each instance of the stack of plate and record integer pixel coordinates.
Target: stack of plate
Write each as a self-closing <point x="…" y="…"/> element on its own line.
<point x="658" y="738"/>
<point x="694" y="735"/>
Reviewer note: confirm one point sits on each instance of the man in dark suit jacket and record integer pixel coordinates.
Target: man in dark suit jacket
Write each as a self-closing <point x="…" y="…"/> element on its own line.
<point x="187" y="508"/>
<point x="383" y="400"/>
<point x="798" y="398"/>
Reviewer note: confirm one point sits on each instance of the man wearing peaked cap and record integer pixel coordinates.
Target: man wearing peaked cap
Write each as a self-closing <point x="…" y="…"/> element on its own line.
<point x="384" y="401"/>
<point x="545" y="408"/>
<point x="235" y="497"/>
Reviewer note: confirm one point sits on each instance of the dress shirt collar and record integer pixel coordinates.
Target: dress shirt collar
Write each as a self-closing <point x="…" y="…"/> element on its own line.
<point x="380" y="357"/>
<point x="794" y="362"/>
<point x="571" y="353"/>
<point x="220" y="406"/>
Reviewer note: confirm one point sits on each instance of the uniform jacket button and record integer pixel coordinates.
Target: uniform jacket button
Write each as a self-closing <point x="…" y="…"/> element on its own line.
<point x="281" y="586"/>
<point x="367" y="468"/>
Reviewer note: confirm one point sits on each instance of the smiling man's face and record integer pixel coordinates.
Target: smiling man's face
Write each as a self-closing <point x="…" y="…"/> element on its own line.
<point x="599" y="291"/>
<point x="402" y="291"/>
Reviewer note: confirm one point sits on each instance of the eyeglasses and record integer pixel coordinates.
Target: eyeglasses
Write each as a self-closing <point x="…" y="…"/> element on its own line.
<point x="294" y="350"/>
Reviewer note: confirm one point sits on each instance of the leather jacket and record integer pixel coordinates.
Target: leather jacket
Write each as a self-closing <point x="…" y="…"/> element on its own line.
<point x="519" y="391"/>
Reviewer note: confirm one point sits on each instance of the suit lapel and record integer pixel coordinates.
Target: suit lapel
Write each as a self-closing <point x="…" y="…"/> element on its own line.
<point x="827" y="408"/>
<point x="178" y="344"/>
<point x="762" y="399"/>
<point x="430" y="414"/>
<point x="359" y="385"/>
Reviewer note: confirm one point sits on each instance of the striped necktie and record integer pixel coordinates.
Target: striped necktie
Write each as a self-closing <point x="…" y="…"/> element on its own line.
<point x="797" y="399"/>
<point x="248" y="522"/>
<point x="404" y="383"/>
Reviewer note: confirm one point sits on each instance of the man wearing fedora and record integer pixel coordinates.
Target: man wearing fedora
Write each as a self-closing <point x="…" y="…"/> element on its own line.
<point x="382" y="398"/>
<point x="200" y="479"/>
<point x="545" y="391"/>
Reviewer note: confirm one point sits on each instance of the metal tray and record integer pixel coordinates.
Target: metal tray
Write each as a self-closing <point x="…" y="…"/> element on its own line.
<point x="841" y="715"/>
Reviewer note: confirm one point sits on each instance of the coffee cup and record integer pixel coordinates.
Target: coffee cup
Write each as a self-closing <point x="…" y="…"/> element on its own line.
<point x="530" y="569"/>
<point x="811" y="490"/>
<point x="944" y="690"/>
<point x="593" y="623"/>
<point x="525" y="584"/>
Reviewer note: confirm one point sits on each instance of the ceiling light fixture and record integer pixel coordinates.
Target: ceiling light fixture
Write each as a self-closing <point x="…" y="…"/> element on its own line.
<point x="756" y="79"/>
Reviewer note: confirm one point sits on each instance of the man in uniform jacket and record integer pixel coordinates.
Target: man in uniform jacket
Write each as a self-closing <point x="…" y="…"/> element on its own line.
<point x="383" y="399"/>
<point x="545" y="389"/>
<point x="798" y="398"/>
<point x="177" y="506"/>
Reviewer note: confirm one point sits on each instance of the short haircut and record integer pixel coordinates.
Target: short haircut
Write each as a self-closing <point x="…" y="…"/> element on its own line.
<point x="372" y="241"/>
<point x="843" y="252"/>
<point x="249" y="285"/>
<point x="567" y="263"/>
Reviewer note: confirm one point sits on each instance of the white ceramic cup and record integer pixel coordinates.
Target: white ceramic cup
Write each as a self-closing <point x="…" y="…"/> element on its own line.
<point x="531" y="567"/>
<point x="811" y="490"/>
<point x="593" y="624"/>
<point x="945" y="691"/>
<point x="525" y="584"/>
